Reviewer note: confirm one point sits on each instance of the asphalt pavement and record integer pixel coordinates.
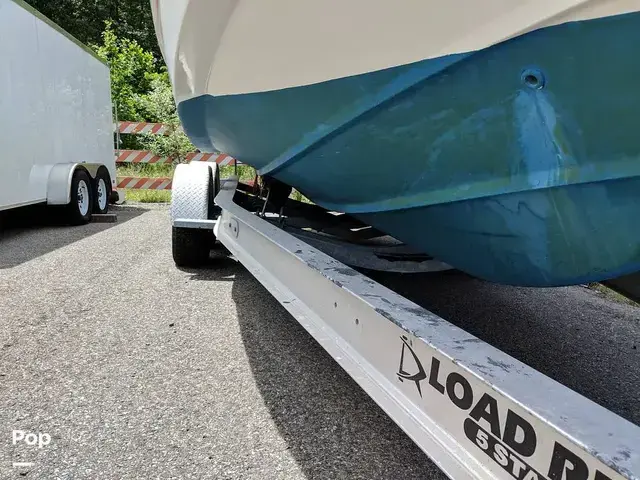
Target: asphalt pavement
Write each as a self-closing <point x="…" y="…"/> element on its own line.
<point x="131" y="368"/>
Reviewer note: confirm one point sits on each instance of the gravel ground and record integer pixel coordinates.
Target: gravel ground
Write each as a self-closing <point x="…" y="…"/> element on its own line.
<point x="137" y="369"/>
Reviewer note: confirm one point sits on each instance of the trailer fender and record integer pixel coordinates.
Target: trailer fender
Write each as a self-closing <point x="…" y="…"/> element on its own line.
<point x="192" y="193"/>
<point x="59" y="183"/>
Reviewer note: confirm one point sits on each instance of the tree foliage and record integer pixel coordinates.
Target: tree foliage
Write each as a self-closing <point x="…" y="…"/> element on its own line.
<point x="85" y="19"/>
<point x="159" y="106"/>
<point x="121" y="33"/>
<point x="133" y="71"/>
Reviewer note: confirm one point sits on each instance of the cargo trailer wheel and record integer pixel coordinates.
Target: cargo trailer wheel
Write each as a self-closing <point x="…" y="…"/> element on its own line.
<point x="191" y="246"/>
<point x="80" y="206"/>
<point x="102" y="189"/>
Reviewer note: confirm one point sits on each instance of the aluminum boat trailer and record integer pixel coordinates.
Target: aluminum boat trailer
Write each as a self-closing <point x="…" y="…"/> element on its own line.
<point x="474" y="410"/>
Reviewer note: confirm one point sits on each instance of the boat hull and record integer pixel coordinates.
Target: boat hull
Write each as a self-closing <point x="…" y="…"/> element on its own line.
<point x="518" y="163"/>
<point x="543" y="238"/>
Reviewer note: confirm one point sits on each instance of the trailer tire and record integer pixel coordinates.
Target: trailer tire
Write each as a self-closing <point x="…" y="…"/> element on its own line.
<point x="80" y="207"/>
<point x="102" y="189"/>
<point x="195" y="185"/>
<point x="213" y="211"/>
<point x="191" y="246"/>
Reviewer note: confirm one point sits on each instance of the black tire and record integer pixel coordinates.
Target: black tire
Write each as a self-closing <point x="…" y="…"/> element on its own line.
<point x="191" y="246"/>
<point x="213" y="211"/>
<point x="102" y="193"/>
<point x="76" y="214"/>
<point x="115" y="197"/>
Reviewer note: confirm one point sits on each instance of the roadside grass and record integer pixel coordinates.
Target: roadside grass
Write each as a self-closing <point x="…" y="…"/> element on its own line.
<point x="245" y="173"/>
<point x="148" y="196"/>
<point x="296" y="195"/>
<point x="145" y="170"/>
<point x="611" y="294"/>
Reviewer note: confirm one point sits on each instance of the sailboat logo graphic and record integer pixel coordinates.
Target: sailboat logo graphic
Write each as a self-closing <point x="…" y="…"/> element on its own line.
<point x="410" y="364"/>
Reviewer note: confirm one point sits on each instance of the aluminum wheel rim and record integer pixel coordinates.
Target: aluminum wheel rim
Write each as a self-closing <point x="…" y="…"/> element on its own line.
<point x="102" y="194"/>
<point x="83" y="197"/>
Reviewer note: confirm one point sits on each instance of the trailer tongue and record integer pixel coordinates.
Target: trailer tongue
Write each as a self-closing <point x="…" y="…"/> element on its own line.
<point x="476" y="411"/>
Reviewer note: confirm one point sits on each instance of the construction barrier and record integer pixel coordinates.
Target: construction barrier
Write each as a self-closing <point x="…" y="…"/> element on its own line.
<point x="141" y="128"/>
<point x="145" y="156"/>
<point x="144" y="183"/>
<point x="219" y="158"/>
<point x="155" y="183"/>
<point x="140" y="156"/>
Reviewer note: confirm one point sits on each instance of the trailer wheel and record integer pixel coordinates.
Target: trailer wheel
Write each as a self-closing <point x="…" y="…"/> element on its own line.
<point x="80" y="206"/>
<point x="102" y="189"/>
<point x="195" y="185"/>
<point x="191" y="246"/>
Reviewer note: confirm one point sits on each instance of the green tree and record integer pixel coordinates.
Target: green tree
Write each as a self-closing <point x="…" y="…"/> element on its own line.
<point x="159" y="106"/>
<point x="84" y="19"/>
<point x="141" y="90"/>
<point x="132" y="72"/>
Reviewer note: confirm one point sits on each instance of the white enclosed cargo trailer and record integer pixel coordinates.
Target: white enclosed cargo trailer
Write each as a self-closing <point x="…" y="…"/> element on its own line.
<point x="56" y="127"/>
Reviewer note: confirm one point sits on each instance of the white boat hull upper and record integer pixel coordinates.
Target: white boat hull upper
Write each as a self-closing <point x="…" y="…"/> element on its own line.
<point x="224" y="47"/>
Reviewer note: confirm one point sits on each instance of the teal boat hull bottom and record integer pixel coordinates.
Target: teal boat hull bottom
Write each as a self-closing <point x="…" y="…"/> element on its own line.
<point x="518" y="163"/>
<point x="534" y="238"/>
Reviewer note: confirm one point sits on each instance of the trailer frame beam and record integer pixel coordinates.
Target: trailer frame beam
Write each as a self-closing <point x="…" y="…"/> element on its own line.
<point x="477" y="412"/>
